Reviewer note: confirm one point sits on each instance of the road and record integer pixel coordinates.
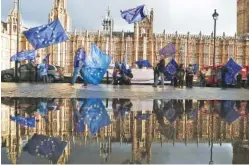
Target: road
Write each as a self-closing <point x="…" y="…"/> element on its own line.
<point x="62" y="90"/>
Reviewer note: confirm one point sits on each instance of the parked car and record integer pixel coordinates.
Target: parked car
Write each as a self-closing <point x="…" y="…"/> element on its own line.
<point x="55" y="73"/>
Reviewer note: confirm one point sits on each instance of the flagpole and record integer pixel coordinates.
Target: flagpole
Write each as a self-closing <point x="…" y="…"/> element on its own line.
<point x="126" y="51"/>
<point x="17" y="44"/>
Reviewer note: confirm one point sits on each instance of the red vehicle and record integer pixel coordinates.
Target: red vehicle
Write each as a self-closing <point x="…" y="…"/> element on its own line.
<point x="208" y="71"/>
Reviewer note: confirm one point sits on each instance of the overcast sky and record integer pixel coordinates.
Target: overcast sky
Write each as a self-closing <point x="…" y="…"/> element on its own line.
<point x="172" y="15"/>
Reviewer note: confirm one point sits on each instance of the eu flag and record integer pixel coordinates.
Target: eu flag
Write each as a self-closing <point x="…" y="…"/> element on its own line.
<point x="96" y="65"/>
<point x="46" y="35"/>
<point x="168" y="51"/>
<point x="23" y="55"/>
<point x="171" y="115"/>
<point x="133" y="15"/>
<point x="142" y="116"/>
<point x="123" y="67"/>
<point x="195" y="68"/>
<point x="46" y="147"/>
<point x="171" y="69"/>
<point x="233" y="68"/>
<point x="95" y="115"/>
<point x="143" y="63"/>
<point x="228" y="112"/>
<point x="24" y="121"/>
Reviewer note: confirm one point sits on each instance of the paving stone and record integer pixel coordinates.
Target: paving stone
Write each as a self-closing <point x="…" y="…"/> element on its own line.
<point x="63" y="90"/>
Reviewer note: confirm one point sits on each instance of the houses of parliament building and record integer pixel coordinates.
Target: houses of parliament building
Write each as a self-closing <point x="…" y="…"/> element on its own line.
<point x="142" y="43"/>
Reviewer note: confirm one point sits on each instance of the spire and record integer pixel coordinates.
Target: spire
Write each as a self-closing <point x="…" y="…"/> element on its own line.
<point x="15" y="4"/>
<point x="108" y="11"/>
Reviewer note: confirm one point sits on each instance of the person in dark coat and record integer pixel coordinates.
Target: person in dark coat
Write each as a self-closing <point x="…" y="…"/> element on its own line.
<point x="224" y="71"/>
<point x="239" y="80"/>
<point x="189" y="76"/>
<point x="180" y="75"/>
<point x="161" y="66"/>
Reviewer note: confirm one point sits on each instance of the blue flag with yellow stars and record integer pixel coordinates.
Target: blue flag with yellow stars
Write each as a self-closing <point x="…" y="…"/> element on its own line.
<point x="95" y="115"/>
<point x="43" y="146"/>
<point x="171" y="69"/>
<point x="142" y="116"/>
<point x="46" y="35"/>
<point x="143" y="63"/>
<point x="24" y="121"/>
<point x="233" y="68"/>
<point x="23" y="55"/>
<point x="134" y="15"/>
<point x="96" y="66"/>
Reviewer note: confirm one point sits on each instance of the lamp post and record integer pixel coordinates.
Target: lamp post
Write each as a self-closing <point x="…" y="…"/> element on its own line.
<point x="17" y="40"/>
<point x="215" y="17"/>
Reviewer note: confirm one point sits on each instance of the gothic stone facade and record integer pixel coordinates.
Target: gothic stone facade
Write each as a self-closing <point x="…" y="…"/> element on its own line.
<point x="142" y="43"/>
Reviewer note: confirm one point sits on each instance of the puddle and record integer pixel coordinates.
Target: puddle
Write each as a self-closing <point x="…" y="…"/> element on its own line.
<point x="124" y="131"/>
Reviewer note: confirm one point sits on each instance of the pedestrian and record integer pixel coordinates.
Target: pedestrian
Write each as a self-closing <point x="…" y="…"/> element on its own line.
<point x="224" y="71"/>
<point x="202" y="79"/>
<point x="189" y="76"/>
<point x="43" y="71"/>
<point x="79" y="61"/>
<point x="239" y="80"/>
<point x="180" y="75"/>
<point x="247" y="77"/>
<point x="161" y="66"/>
<point x="31" y="66"/>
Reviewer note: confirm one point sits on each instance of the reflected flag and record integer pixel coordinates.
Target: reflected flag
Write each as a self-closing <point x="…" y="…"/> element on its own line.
<point x="78" y="122"/>
<point x="24" y="55"/>
<point x="46" y="147"/>
<point x="96" y="66"/>
<point x="171" y="115"/>
<point x="134" y="15"/>
<point x="24" y="121"/>
<point x="43" y="108"/>
<point x="228" y="111"/>
<point x="233" y="68"/>
<point x="142" y="116"/>
<point x="143" y="63"/>
<point x="46" y="35"/>
<point x="170" y="50"/>
<point x="95" y="115"/>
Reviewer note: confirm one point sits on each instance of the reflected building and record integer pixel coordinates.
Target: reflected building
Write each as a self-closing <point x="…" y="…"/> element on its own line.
<point x="139" y="133"/>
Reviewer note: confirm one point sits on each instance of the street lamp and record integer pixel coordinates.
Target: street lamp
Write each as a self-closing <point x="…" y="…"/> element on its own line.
<point x="215" y="17"/>
<point x="17" y="40"/>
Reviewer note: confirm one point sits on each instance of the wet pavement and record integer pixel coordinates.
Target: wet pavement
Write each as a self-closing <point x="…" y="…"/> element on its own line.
<point x="62" y="90"/>
<point x="127" y="131"/>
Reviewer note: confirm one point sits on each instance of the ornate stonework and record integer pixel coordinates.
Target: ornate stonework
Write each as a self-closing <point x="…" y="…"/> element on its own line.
<point x="142" y="43"/>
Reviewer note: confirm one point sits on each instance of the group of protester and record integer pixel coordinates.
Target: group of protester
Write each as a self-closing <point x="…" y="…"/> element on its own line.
<point x="40" y="69"/>
<point x="178" y="77"/>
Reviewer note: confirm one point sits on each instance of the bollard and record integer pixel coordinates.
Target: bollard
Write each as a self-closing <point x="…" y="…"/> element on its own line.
<point x="107" y="77"/>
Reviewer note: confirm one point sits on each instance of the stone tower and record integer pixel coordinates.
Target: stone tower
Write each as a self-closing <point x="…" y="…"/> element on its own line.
<point x="108" y="22"/>
<point x="12" y="20"/>
<point x="60" y="11"/>
<point x="242" y="17"/>
<point x="59" y="52"/>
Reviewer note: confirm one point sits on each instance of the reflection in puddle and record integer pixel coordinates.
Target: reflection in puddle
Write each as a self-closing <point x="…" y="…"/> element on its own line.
<point x="36" y="130"/>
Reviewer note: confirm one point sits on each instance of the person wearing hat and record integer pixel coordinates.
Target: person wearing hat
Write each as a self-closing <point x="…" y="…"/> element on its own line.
<point x="160" y="70"/>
